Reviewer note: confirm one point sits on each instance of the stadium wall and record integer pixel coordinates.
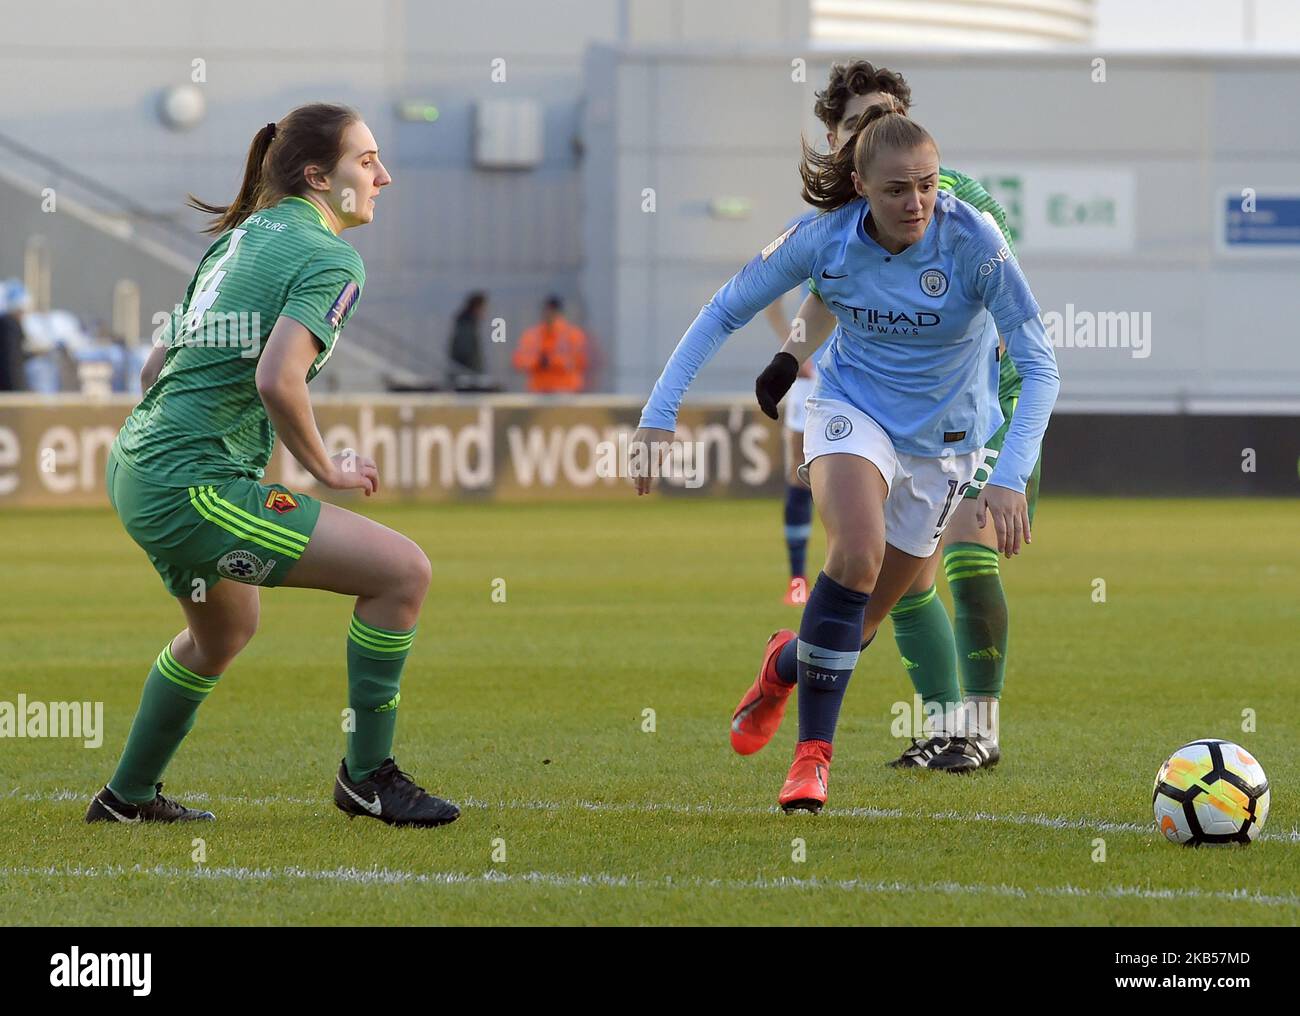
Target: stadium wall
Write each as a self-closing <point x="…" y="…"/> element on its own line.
<point x="81" y="82"/>
<point x="1116" y="176"/>
<point x="519" y="448"/>
<point x="696" y="103"/>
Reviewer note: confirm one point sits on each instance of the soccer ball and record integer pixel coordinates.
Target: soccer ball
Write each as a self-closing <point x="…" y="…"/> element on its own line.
<point x="1210" y="791"/>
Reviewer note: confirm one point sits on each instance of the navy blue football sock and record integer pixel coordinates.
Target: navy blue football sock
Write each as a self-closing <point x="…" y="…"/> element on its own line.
<point x="787" y="663"/>
<point x="830" y="639"/>
<point x="787" y="660"/>
<point x="798" y="526"/>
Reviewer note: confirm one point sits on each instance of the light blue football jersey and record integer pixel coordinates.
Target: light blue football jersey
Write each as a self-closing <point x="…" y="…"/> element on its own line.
<point x="915" y="347"/>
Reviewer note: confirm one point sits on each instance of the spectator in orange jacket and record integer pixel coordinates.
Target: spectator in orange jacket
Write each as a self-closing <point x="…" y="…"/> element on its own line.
<point x="553" y="352"/>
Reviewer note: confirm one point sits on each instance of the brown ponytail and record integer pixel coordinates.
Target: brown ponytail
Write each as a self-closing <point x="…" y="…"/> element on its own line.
<point x="277" y="159"/>
<point x="828" y="178"/>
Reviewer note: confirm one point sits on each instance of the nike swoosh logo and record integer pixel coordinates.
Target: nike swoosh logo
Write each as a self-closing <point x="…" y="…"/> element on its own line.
<point x="825" y="275"/>
<point x="743" y="714"/>
<point x="117" y="814"/>
<point x="371" y="806"/>
<point x="814" y="656"/>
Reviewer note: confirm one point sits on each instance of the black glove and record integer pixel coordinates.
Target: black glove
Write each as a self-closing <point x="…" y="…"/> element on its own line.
<point x="775" y="381"/>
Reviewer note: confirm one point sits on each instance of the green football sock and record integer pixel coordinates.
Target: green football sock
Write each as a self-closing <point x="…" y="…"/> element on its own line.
<point x="375" y="660"/>
<point x="172" y="695"/>
<point x="924" y="636"/>
<point x="980" y="609"/>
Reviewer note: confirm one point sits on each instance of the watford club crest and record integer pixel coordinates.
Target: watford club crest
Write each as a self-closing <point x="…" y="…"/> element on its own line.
<point x="281" y="501"/>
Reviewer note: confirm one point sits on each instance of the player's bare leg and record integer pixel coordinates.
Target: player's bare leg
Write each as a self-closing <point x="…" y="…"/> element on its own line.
<point x="350" y="554"/>
<point x="900" y="574"/>
<point x="218" y="626"/>
<point x="389" y="575"/>
<point x="220" y="621"/>
<point x="849" y="492"/>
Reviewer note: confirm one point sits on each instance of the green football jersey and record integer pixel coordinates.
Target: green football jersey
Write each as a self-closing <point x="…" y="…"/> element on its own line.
<point x="203" y="419"/>
<point x="973" y="193"/>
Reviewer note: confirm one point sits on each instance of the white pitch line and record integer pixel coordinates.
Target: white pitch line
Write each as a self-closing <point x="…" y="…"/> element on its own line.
<point x="390" y="876"/>
<point x="1099" y="825"/>
<point x="703" y="808"/>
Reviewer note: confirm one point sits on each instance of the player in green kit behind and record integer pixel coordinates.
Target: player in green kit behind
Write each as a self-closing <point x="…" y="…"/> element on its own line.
<point x="230" y="370"/>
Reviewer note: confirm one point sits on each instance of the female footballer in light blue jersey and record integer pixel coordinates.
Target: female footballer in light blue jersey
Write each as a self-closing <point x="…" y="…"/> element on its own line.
<point x="906" y="398"/>
<point x="957" y="666"/>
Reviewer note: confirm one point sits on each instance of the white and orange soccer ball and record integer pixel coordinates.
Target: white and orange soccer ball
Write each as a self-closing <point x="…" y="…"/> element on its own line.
<point x="1210" y="791"/>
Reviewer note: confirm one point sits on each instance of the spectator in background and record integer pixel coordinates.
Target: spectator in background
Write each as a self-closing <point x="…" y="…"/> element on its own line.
<point x="54" y="341"/>
<point x="13" y="301"/>
<point x="465" y="351"/>
<point x="553" y="352"/>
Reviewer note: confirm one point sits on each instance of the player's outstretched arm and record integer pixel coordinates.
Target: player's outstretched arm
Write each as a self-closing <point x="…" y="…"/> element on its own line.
<point x="1009" y="511"/>
<point x="282" y="384"/>
<point x="646" y="453"/>
<point x="783" y="264"/>
<point x="995" y="274"/>
<point x="1003" y="495"/>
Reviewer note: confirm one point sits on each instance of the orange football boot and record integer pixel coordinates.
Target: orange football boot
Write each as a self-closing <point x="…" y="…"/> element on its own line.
<point x="797" y="594"/>
<point x="805" y="787"/>
<point x="759" y="714"/>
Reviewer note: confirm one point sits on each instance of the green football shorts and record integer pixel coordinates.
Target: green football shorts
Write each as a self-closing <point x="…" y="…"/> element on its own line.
<point x="234" y="528"/>
<point x="994" y="448"/>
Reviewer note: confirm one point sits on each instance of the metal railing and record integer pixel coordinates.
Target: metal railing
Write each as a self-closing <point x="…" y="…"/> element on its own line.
<point x="409" y="356"/>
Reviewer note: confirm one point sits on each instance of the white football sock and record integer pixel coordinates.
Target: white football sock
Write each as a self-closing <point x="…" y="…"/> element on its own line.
<point x="981" y="716"/>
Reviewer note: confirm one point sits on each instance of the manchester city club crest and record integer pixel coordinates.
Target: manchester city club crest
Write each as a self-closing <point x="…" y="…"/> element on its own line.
<point x="838" y="427"/>
<point x="934" y="282"/>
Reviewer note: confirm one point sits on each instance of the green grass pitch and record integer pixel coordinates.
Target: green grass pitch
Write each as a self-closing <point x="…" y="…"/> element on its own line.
<point x="530" y="713"/>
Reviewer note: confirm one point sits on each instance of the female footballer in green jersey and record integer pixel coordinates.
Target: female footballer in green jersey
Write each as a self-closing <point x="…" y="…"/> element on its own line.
<point x="931" y="650"/>
<point x="229" y="372"/>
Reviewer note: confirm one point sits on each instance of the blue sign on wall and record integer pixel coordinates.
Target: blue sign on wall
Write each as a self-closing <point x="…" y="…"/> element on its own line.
<point x="1272" y="225"/>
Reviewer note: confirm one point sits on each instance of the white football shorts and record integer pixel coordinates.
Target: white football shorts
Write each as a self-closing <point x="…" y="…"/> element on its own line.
<point x="924" y="492"/>
<point x="795" y="410"/>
